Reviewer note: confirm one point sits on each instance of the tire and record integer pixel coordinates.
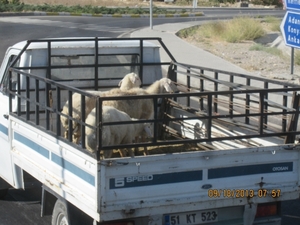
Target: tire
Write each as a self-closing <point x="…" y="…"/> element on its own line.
<point x="60" y="213"/>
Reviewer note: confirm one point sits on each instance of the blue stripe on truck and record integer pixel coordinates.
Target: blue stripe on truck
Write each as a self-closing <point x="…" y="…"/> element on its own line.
<point x="56" y="159"/>
<point x="250" y="170"/>
<point x="155" y="179"/>
<point x="3" y="129"/>
<point x="73" y="169"/>
<point x="34" y="146"/>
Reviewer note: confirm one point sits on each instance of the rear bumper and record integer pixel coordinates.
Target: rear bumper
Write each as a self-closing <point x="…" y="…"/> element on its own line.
<point x="274" y="220"/>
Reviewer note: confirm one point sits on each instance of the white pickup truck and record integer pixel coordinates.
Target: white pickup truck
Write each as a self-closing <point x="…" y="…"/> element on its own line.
<point x="224" y="150"/>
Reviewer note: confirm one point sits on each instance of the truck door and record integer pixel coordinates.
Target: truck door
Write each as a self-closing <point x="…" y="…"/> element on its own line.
<point x="7" y="169"/>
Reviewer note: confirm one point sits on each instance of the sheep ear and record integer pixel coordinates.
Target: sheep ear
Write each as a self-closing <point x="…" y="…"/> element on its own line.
<point x="148" y="131"/>
<point x="168" y="88"/>
<point x="135" y="80"/>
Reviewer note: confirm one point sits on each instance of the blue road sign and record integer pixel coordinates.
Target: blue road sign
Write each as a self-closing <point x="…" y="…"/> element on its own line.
<point x="292" y="5"/>
<point x="290" y="29"/>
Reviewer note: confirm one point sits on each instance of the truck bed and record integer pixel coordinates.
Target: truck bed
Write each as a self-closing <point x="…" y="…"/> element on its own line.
<point x="214" y="110"/>
<point x="174" y="182"/>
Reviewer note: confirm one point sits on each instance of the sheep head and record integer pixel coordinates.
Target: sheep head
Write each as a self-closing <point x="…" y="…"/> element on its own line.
<point x="129" y="81"/>
<point x="167" y="86"/>
<point x="147" y="132"/>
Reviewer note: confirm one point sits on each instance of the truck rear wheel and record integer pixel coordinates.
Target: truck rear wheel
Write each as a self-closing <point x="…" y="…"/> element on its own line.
<point x="60" y="214"/>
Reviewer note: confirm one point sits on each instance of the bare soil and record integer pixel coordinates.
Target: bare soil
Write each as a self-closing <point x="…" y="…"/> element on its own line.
<point x="258" y="63"/>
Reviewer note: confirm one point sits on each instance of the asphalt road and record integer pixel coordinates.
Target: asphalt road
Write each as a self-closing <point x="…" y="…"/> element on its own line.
<point x="15" y="29"/>
<point x="23" y="207"/>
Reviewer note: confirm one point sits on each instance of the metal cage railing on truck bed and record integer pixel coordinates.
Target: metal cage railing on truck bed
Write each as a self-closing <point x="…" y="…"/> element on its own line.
<point x="96" y="42"/>
<point x="173" y="120"/>
<point x="264" y="93"/>
<point x="215" y="109"/>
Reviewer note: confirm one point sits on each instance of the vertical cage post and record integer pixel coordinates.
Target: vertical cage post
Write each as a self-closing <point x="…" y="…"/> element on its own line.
<point x="58" y="123"/>
<point x="216" y="89"/>
<point x="96" y="64"/>
<point x="201" y="90"/>
<point x="48" y="87"/>
<point x="19" y="99"/>
<point x="27" y="98"/>
<point x="141" y="69"/>
<point x="82" y="122"/>
<point x="261" y="112"/>
<point x="37" y="102"/>
<point x="266" y="86"/>
<point x="188" y="82"/>
<point x="284" y="103"/>
<point x="247" y="106"/>
<point x="230" y="106"/>
<point x="70" y="116"/>
<point x="98" y="128"/>
<point x="209" y="122"/>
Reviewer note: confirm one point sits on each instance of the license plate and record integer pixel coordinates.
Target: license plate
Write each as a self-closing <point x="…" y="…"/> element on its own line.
<point x="190" y="218"/>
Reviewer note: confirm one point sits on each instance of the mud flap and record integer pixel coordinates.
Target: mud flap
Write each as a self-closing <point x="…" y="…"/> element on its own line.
<point x="249" y="214"/>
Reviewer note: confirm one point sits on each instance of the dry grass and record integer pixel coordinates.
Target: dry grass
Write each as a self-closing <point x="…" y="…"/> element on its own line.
<point x="232" y="31"/>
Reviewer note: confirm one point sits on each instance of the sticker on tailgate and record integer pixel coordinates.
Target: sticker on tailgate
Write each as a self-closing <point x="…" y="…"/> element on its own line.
<point x="190" y="218"/>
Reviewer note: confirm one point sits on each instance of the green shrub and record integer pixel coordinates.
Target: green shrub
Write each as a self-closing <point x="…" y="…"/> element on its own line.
<point x="184" y="33"/>
<point x="4" y="2"/>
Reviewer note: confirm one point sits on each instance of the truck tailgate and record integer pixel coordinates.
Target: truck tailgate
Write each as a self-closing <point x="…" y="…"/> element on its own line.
<point x="185" y="182"/>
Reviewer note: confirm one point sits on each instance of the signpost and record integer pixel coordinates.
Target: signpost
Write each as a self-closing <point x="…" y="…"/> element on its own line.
<point x="290" y="27"/>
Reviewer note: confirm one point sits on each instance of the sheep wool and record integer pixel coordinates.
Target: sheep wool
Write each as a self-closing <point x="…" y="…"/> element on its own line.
<point x="113" y="134"/>
<point x="140" y="108"/>
<point x="130" y="80"/>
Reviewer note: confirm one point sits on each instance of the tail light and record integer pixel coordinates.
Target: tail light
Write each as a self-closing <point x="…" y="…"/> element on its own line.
<point x="267" y="209"/>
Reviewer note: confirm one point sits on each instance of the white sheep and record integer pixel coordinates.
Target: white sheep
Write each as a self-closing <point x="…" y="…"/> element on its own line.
<point x="113" y="134"/>
<point x="76" y="113"/>
<point x="139" y="108"/>
<point x="129" y="81"/>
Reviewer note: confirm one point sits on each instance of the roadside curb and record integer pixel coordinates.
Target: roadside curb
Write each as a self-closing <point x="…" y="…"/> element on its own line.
<point x="104" y="15"/>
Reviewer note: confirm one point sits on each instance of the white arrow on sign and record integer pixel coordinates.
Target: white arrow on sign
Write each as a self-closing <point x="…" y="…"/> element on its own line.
<point x="290" y="28"/>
